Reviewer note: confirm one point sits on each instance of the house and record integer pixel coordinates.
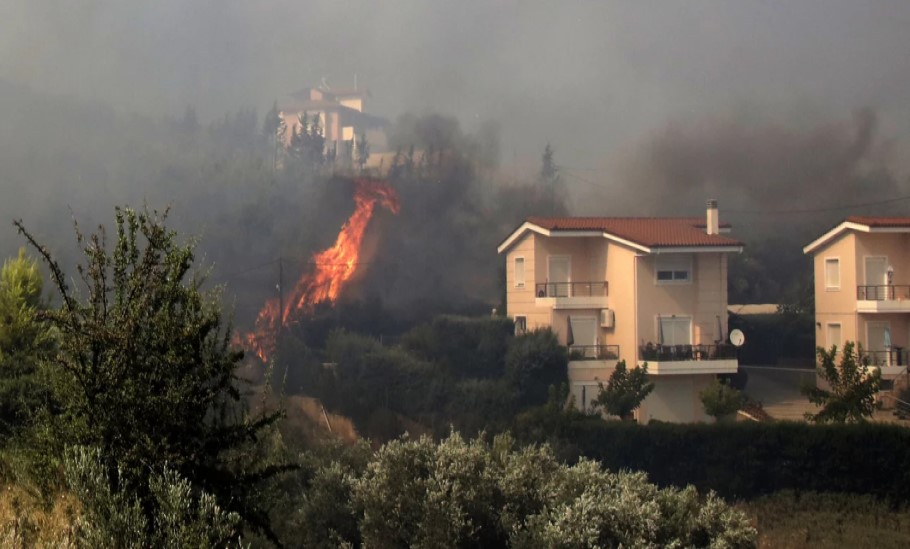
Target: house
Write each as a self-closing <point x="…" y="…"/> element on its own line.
<point x="341" y="114"/>
<point x="862" y="289"/>
<point x="643" y="290"/>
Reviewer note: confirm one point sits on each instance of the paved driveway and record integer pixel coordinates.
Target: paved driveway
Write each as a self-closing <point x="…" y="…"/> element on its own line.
<point x="778" y="389"/>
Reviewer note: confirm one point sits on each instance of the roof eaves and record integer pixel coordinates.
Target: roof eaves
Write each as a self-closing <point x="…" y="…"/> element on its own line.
<point x="837" y="230"/>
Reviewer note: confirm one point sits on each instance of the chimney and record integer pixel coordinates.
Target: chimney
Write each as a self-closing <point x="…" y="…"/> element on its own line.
<point x="713" y="220"/>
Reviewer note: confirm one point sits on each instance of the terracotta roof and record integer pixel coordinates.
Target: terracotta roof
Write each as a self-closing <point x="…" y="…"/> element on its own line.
<point x="652" y="232"/>
<point x="880" y="221"/>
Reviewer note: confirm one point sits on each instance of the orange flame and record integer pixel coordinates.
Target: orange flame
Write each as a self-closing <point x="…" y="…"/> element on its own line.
<point x="332" y="269"/>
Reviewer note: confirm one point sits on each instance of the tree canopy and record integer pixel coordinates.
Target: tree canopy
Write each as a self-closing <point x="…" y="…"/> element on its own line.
<point x="144" y="369"/>
<point x="852" y="384"/>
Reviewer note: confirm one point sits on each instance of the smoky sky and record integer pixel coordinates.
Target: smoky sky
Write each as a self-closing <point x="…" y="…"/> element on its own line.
<point x="589" y="77"/>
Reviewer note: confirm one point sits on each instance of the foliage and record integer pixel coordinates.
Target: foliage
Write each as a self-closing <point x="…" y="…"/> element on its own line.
<point x="739" y="460"/>
<point x="720" y="399"/>
<point x="853" y="386"/>
<point x="625" y="390"/>
<point x="810" y="519"/>
<point x="112" y="517"/>
<point x="534" y="362"/>
<point x="466" y="347"/>
<point x="471" y="493"/>
<point x="145" y="371"/>
<point x="24" y="340"/>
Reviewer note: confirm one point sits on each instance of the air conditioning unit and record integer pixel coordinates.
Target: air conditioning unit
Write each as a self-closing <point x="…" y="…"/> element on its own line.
<point x="607" y="318"/>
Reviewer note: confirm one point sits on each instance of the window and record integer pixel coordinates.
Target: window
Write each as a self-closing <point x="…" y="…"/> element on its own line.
<point x="674" y="269"/>
<point x="674" y="330"/>
<point x="519" y="272"/>
<point x="832" y="273"/>
<point x="521" y="325"/>
<point x="834" y="337"/>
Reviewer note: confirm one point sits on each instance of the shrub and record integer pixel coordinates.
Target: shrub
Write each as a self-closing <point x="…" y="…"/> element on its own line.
<point x="535" y="361"/>
<point x="625" y="390"/>
<point x="721" y="400"/>
<point x="853" y="387"/>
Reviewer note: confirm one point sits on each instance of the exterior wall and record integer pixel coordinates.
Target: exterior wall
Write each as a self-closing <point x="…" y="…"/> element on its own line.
<point x="894" y="246"/>
<point x="675" y="399"/>
<point x="837" y="305"/>
<point x="586" y="253"/>
<point x="520" y="301"/>
<point x="711" y="298"/>
<point x="663" y="299"/>
<point x="355" y="103"/>
<point x="621" y="271"/>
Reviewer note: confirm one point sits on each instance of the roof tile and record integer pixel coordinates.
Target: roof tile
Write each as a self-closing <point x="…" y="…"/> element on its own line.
<point x="653" y="232"/>
<point x="880" y="221"/>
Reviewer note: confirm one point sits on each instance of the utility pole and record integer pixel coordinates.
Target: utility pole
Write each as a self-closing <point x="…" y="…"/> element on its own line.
<point x="280" y="295"/>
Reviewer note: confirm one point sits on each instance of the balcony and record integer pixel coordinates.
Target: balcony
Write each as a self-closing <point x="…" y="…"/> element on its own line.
<point x="688" y="359"/>
<point x="587" y="360"/>
<point x="593" y="352"/>
<point x="888" y="298"/>
<point x="572" y="295"/>
<point x="891" y="363"/>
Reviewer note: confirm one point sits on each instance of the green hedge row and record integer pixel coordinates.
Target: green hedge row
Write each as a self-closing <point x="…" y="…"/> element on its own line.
<point x="738" y="460"/>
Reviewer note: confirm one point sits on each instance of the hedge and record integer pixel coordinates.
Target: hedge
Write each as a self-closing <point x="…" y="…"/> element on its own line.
<point x="738" y="460"/>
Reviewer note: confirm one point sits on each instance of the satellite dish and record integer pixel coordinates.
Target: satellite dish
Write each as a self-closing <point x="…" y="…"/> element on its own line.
<point x="737" y="337"/>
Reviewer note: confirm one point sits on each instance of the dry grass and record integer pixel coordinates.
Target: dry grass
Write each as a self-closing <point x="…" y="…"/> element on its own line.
<point x="26" y="520"/>
<point x="788" y="520"/>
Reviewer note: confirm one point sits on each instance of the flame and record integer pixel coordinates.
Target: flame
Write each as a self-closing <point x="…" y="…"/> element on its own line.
<point x="332" y="269"/>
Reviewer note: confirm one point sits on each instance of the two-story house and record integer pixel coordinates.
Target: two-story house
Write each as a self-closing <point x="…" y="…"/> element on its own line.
<point x="862" y="289"/>
<point x="341" y="116"/>
<point x="643" y="290"/>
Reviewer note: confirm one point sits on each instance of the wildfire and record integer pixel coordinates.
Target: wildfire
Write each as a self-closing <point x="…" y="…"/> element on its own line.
<point x="332" y="268"/>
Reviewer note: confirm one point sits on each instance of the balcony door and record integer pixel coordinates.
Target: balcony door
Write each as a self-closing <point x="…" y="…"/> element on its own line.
<point x="876" y="277"/>
<point x="674" y="330"/>
<point x="584" y="332"/>
<point x="878" y="339"/>
<point x="559" y="276"/>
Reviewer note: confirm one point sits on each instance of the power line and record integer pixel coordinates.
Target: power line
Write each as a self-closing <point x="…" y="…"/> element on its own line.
<point x="822" y="210"/>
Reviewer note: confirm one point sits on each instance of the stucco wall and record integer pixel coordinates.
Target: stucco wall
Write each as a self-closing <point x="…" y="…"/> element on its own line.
<point x="837" y="305"/>
<point x="520" y="301"/>
<point x="703" y="299"/>
<point x="675" y="398"/>
<point x="621" y="268"/>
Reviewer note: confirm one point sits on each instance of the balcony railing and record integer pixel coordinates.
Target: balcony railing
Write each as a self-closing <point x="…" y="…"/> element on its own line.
<point x="888" y="292"/>
<point x="677" y="353"/>
<point x="593" y="352"/>
<point x="897" y="356"/>
<point x="571" y="289"/>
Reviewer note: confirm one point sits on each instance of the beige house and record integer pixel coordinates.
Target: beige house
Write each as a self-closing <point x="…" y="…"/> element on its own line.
<point x="645" y="290"/>
<point x="862" y="289"/>
<point x="341" y="113"/>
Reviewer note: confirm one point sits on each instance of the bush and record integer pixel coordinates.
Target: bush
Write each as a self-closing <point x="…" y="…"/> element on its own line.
<point x="114" y="517"/>
<point x="737" y="460"/>
<point x="469" y="493"/>
<point x="625" y="391"/>
<point x="145" y="372"/>
<point x="721" y="400"/>
<point x="853" y="386"/>
<point x="535" y="361"/>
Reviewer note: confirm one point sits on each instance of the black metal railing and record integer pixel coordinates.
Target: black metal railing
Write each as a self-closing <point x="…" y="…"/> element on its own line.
<point x="593" y="352"/>
<point x="571" y="289"/>
<point x="888" y="292"/>
<point x="896" y="356"/>
<point x="675" y="353"/>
